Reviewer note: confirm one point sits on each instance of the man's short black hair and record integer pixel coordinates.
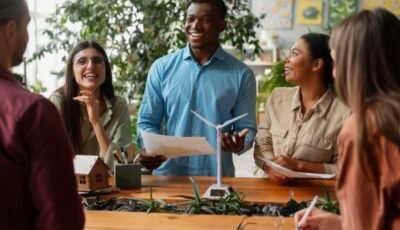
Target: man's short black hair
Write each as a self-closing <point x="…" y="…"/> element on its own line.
<point x="219" y="4"/>
<point x="11" y="10"/>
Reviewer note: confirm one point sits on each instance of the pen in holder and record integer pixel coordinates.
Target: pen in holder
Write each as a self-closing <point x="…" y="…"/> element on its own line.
<point x="124" y="155"/>
<point x="126" y="176"/>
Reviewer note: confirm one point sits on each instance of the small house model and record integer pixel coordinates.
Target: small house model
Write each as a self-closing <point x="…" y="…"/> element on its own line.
<point x="91" y="173"/>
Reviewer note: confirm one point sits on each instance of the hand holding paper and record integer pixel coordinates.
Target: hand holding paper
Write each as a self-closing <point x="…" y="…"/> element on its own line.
<point x="151" y="161"/>
<point x="171" y="146"/>
<point x="294" y="174"/>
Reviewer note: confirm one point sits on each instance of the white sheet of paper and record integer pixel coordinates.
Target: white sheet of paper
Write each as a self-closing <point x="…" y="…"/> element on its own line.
<point x="171" y="146"/>
<point x="294" y="174"/>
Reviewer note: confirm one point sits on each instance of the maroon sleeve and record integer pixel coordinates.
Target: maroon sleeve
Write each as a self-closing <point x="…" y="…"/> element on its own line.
<point x="51" y="176"/>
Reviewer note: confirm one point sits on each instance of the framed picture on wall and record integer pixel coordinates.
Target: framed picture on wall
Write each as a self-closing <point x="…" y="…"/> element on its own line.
<point x="278" y="13"/>
<point x="339" y="10"/>
<point x="309" y="12"/>
<point x="391" y="5"/>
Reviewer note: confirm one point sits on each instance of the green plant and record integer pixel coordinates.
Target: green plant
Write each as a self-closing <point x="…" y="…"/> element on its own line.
<point x="37" y="87"/>
<point x="275" y="78"/>
<point x="232" y="203"/>
<point x="135" y="33"/>
<point x="134" y="130"/>
<point x="197" y="205"/>
<point x="328" y="203"/>
<point x="152" y="205"/>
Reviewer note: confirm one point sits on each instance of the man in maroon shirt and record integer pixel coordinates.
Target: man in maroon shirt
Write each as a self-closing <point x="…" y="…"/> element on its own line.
<point x="38" y="188"/>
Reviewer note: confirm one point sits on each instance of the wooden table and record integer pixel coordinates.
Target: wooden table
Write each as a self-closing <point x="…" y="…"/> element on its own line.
<point x="96" y="220"/>
<point x="259" y="190"/>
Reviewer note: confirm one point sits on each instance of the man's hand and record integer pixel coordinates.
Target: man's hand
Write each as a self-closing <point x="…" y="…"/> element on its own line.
<point x="233" y="143"/>
<point x="151" y="161"/>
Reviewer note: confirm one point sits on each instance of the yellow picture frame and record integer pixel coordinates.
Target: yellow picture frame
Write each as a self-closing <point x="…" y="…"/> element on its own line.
<point x="391" y="5"/>
<point x="309" y="12"/>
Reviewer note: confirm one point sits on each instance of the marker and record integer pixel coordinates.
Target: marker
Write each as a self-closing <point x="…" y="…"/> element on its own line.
<point x="117" y="156"/>
<point x="124" y="156"/>
<point x="307" y="213"/>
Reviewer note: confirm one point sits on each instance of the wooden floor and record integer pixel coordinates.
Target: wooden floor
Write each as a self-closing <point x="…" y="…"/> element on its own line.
<point x="258" y="190"/>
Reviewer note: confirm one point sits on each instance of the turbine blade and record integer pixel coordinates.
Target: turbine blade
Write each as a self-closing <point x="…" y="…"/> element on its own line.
<point x="228" y="122"/>
<point x="203" y="119"/>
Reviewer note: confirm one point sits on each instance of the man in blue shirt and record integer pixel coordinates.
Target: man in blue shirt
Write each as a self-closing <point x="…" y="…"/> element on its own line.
<point x="204" y="78"/>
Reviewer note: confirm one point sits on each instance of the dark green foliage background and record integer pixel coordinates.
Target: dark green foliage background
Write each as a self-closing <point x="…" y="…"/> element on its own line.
<point x="136" y="32"/>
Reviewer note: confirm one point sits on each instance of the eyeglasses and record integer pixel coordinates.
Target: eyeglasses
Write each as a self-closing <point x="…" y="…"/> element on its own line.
<point x="83" y="61"/>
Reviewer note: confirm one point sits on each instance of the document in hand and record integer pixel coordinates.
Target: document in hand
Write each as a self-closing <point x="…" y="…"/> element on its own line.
<point x="294" y="174"/>
<point x="171" y="146"/>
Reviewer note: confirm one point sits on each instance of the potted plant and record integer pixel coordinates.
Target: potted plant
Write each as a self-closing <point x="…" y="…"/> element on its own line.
<point x="275" y="78"/>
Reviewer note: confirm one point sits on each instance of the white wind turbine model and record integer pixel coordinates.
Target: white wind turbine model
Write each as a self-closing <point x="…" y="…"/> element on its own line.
<point x="215" y="191"/>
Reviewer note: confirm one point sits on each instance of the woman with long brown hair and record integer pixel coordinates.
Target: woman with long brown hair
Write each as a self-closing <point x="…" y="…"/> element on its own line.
<point x="366" y="51"/>
<point x="97" y="121"/>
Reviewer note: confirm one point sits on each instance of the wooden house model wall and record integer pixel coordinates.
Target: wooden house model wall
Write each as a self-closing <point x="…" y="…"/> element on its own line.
<point x="91" y="173"/>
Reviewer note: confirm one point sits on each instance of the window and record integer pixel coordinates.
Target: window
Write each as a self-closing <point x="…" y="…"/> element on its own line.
<point x="82" y="179"/>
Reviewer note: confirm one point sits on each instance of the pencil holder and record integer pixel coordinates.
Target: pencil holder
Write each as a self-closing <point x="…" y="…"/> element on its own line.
<point x="127" y="176"/>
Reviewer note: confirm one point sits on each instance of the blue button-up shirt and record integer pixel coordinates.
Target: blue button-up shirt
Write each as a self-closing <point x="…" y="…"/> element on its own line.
<point x="219" y="90"/>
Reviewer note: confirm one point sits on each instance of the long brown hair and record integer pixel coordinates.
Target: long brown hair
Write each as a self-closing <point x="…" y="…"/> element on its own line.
<point x="71" y="109"/>
<point x="367" y="51"/>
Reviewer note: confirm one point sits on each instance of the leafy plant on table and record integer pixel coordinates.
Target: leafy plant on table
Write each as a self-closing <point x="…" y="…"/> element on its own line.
<point x="292" y="206"/>
<point x="233" y="204"/>
<point x="198" y="205"/>
<point x="153" y="205"/>
<point x="328" y="203"/>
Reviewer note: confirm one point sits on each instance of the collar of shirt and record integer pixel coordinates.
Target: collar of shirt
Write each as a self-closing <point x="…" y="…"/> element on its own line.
<point x="320" y="108"/>
<point x="7" y="75"/>
<point x="219" y="54"/>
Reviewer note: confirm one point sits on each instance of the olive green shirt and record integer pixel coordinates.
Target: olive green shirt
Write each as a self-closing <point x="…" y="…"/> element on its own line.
<point x="310" y="137"/>
<point x="116" y="123"/>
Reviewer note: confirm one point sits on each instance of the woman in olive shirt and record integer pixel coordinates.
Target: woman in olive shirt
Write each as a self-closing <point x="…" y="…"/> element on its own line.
<point x="301" y="124"/>
<point x="97" y="121"/>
